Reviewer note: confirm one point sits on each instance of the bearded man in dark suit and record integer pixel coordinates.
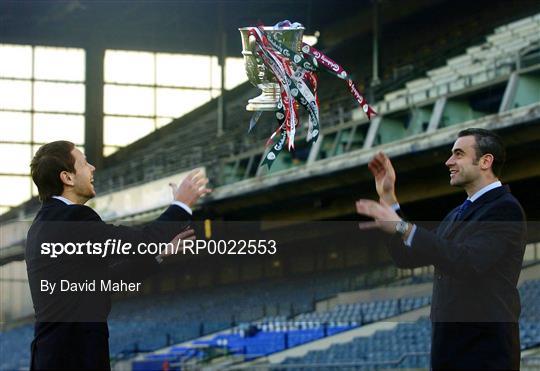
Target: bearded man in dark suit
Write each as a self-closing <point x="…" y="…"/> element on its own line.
<point x="477" y="252"/>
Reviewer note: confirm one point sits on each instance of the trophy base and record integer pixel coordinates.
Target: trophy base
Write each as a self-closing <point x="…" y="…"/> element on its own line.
<point x="267" y="101"/>
<point x="261" y="106"/>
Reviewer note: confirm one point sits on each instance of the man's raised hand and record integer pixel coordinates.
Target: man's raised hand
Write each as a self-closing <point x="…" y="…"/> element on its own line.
<point x="191" y="189"/>
<point x="385" y="177"/>
<point x="385" y="218"/>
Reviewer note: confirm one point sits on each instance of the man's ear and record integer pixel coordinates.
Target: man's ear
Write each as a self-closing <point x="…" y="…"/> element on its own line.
<point x="486" y="162"/>
<point x="67" y="178"/>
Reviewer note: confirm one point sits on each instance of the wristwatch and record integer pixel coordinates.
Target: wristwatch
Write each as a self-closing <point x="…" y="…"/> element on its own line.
<point x="402" y="227"/>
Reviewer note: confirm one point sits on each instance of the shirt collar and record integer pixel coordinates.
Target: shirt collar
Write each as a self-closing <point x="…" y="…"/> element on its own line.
<point x="486" y="189"/>
<point x="63" y="199"/>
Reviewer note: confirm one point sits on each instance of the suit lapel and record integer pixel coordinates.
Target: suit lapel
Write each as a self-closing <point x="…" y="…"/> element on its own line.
<point x="485" y="198"/>
<point x="448" y="222"/>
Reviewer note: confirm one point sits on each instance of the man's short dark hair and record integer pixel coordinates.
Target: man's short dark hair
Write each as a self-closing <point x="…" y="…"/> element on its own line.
<point x="487" y="142"/>
<point x="50" y="160"/>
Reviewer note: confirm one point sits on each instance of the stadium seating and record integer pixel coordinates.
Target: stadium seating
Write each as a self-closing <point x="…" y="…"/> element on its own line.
<point x="479" y="64"/>
<point x="149" y="323"/>
<point x="157" y="361"/>
<point x="408" y="345"/>
<point x="15" y="347"/>
<point x="379" y="350"/>
<point x="362" y="313"/>
<point x="271" y="335"/>
<point x="530" y="316"/>
<point x="143" y="324"/>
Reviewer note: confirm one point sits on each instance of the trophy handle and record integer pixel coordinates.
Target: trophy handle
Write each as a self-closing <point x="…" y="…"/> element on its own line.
<point x="252" y="44"/>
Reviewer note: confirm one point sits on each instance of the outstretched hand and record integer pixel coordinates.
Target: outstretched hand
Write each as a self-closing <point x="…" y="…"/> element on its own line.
<point x="385" y="177"/>
<point x="178" y="240"/>
<point x="191" y="189"/>
<point x="385" y="217"/>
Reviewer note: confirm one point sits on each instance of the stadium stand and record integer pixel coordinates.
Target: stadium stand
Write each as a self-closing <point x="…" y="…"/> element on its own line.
<point x="271" y="335"/>
<point x="366" y="312"/>
<point x="405" y="346"/>
<point x="491" y="62"/>
<point x="530" y="318"/>
<point x="408" y="345"/>
<point x="215" y="308"/>
<point x="490" y="78"/>
<point x="144" y="324"/>
<point x="495" y="58"/>
<point x="15" y="347"/>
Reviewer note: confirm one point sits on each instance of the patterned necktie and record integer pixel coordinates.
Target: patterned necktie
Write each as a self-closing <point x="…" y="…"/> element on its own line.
<point x="463" y="208"/>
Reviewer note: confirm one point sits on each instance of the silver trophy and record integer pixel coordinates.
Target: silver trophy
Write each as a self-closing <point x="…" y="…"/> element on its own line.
<point x="258" y="74"/>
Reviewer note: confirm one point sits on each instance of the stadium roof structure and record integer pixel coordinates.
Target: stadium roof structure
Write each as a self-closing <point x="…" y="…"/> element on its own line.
<point x="184" y="26"/>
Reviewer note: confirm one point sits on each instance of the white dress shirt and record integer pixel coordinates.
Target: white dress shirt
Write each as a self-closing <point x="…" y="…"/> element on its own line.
<point x="63" y="199"/>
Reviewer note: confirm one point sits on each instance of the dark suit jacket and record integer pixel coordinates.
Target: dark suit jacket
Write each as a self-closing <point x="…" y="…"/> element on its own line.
<point x="71" y="329"/>
<point x="475" y="304"/>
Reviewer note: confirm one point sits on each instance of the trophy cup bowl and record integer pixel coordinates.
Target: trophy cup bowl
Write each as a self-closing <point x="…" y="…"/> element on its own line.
<point x="261" y="76"/>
